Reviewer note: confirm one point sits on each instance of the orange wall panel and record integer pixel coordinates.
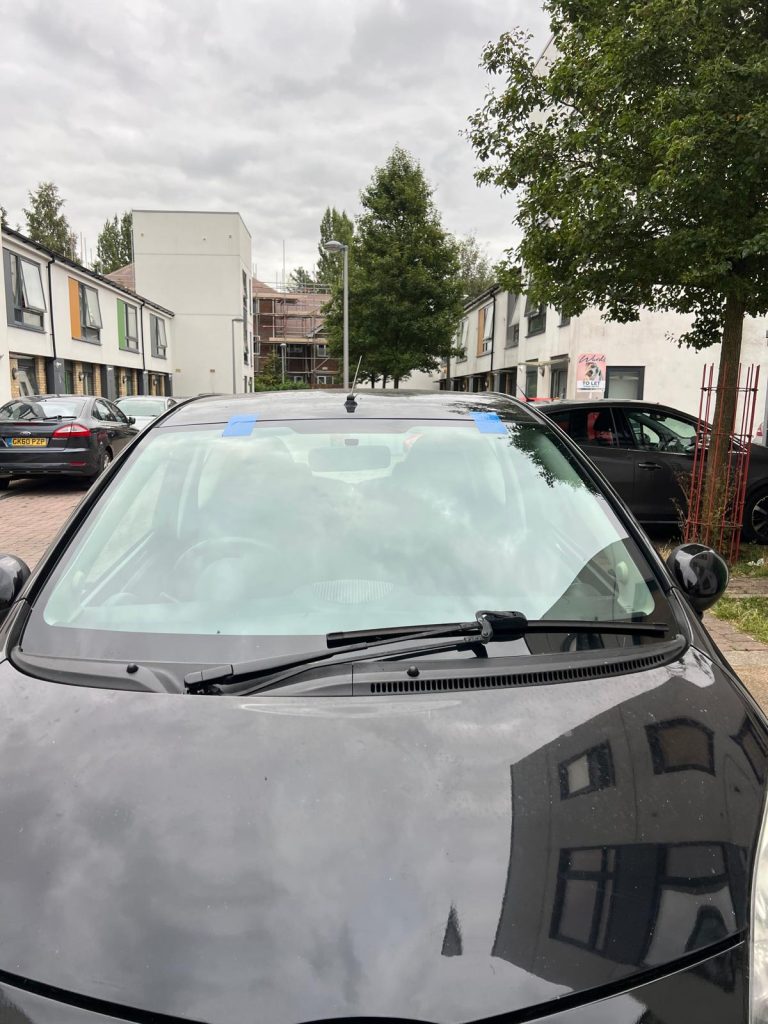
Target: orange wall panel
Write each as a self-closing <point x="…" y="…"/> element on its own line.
<point x="74" y="307"/>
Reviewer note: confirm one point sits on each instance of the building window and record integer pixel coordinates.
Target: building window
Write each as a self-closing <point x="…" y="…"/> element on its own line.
<point x="624" y="382"/>
<point x="681" y="744"/>
<point x="25" y="376"/>
<point x="536" y="316"/>
<point x="513" y="335"/>
<point x="297" y="378"/>
<point x="531" y="381"/>
<point x="84" y="312"/>
<point x="511" y="307"/>
<point x="157" y="334"/>
<point x="23" y="292"/>
<point x="127" y="326"/>
<point x="322" y="350"/>
<point x="69" y="377"/>
<point x="558" y="381"/>
<point x="564" y="319"/>
<point x="323" y="378"/>
<point x="486" y="321"/>
<point x="295" y="350"/>
<point x="461" y="341"/>
<point x="587" y="772"/>
<point x="85" y="377"/>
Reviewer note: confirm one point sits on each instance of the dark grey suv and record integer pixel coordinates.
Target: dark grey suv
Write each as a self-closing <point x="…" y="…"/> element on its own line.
<point x="646" y="451"/>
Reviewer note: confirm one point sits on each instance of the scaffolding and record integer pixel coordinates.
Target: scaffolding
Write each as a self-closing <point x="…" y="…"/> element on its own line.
<point x="296" y="320"/>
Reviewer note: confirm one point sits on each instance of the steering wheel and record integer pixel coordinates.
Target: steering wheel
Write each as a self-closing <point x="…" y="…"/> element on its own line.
<point x="195" y="561"/>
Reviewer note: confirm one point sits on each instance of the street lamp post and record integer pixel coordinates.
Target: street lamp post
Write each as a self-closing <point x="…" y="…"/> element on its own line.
<point x="282" y="358"/>
<point x="235" y="320"/>
<point x="333" y="246"/>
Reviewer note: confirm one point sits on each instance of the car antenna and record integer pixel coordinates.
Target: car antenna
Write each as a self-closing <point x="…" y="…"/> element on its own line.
<point x="351" y="404"/>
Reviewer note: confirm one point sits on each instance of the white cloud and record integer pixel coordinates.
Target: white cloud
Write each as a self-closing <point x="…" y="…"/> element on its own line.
<point x="274" y="110"/>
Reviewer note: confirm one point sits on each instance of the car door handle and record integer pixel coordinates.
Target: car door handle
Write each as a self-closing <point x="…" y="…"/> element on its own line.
<point x="648" y="465"/>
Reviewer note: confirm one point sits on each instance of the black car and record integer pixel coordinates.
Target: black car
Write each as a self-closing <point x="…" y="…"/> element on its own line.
<point x="57" y="435"/>
<point x="646" y="452"/>
<point x="373" y="709"/>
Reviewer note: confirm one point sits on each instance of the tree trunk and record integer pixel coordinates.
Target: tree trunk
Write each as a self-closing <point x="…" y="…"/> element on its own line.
<point x="717" y="502"/>
<point x="384" y="380"/>
<point x="396" y="381"/>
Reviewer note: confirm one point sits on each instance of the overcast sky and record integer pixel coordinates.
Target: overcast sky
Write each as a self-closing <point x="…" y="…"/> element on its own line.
<point x="273" y="109"/>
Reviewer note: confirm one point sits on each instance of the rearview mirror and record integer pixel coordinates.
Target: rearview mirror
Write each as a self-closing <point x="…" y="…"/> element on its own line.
<point x="349" y="458"/>
<point x="700" y="573"/>
<point x="13" y="575"/>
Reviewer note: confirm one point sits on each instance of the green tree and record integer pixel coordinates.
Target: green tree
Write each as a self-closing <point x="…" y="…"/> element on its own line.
<point x="301" y="280"/>
<point x="639" y="155"/>
<point x="46" y="224"/>
<point x="3" y="217"/>
<point x="270" y="377"/>
<point x="114" y="248"/>
<point x="335" y="226"/>
<point x="404" y="294"/>
<point x="476" y="272"/>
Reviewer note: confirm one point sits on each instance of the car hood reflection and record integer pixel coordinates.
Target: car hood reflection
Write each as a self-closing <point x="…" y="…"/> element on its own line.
<point x="222" y="859"/>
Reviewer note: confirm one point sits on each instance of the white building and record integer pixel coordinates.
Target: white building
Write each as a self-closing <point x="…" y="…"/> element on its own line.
<point x="199" y="264"/>
<point x="513" y="347"/>
<point x="66" y="329"/>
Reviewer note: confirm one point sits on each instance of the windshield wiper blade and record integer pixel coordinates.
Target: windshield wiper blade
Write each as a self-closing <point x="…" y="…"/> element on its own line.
<point x="501" y="624"/>
<point x="488" y="625"/>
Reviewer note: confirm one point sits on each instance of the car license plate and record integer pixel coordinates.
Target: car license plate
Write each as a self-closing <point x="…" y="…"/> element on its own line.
<point x="28" y="442"/>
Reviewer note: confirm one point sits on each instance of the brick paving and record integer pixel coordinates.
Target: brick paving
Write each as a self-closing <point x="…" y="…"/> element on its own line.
<point x="748" y="586"/>
<point x="31" y="514"/>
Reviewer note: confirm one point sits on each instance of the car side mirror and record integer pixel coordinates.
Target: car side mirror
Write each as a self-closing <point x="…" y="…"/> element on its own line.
<point x="13" y="575"/>
<point x="700" y="573"/>
<point x="131" y="420"/>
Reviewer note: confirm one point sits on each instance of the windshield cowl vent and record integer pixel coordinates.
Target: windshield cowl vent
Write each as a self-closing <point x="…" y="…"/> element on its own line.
<point x="559" y="675"/>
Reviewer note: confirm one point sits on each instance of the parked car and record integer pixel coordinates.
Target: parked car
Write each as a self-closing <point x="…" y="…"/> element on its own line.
<point x="145" y="408"/>
<point x="53" y="435"/>
<point x="646" y="452"/>
<point x="373" y="709"/>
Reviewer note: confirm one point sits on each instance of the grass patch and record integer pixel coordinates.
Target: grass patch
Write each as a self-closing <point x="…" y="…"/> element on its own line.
<point x="751" y="553"/>
<point x="749" y="614"/>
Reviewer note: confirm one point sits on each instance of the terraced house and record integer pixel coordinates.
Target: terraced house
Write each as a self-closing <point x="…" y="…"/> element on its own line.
<point x="66" y="329"/>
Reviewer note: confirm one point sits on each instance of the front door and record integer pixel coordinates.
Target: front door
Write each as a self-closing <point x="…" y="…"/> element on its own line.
<point x="595" y="430"/>
<point x="664" y="445"/>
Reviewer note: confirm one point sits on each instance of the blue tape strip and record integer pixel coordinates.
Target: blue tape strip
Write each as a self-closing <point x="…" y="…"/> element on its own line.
<point x="239" y="426"/>
<point x="488" y="423"/>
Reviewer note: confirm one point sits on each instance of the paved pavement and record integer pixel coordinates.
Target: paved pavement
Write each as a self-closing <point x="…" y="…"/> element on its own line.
<point x="749" y="657"/>
<point x="31" y="514"/>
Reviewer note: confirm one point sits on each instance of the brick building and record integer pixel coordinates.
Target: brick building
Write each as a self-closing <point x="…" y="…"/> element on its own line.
<point x="294" y="320"/>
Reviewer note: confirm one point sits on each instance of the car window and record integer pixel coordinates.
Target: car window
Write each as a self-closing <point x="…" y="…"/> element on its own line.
<point x="141" y="406"/>
<point x="210" y="544"/>
<point x="41" y="408"/>
<point x="660" y="432"/>
<point x="116" y="413"/>
<point x="589" y="426"/>
<point x="102" y="410"/>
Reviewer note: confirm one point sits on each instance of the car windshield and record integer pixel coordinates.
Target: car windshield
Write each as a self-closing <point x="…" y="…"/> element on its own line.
<point x="213" y="543"/>
<point x="41" y="408"/>
<point x="142" y="406"/>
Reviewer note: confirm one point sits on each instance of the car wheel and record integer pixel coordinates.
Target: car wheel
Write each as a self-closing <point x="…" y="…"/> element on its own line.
<point x="4" y="481"/>
<point x="756" y="517"/>
<point x="105" y="458"/>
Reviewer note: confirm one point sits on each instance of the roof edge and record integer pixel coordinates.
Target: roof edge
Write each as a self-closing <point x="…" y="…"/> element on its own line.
<point x="57" y="257"/>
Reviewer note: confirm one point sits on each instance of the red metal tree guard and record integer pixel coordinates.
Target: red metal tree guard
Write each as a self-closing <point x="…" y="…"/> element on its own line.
<point x="723" y="530"/>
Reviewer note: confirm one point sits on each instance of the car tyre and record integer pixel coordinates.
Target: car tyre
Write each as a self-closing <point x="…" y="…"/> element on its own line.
<point x="756" y="517"/>
<point x="105" y="458"/>
<point x="4" y="481"/>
